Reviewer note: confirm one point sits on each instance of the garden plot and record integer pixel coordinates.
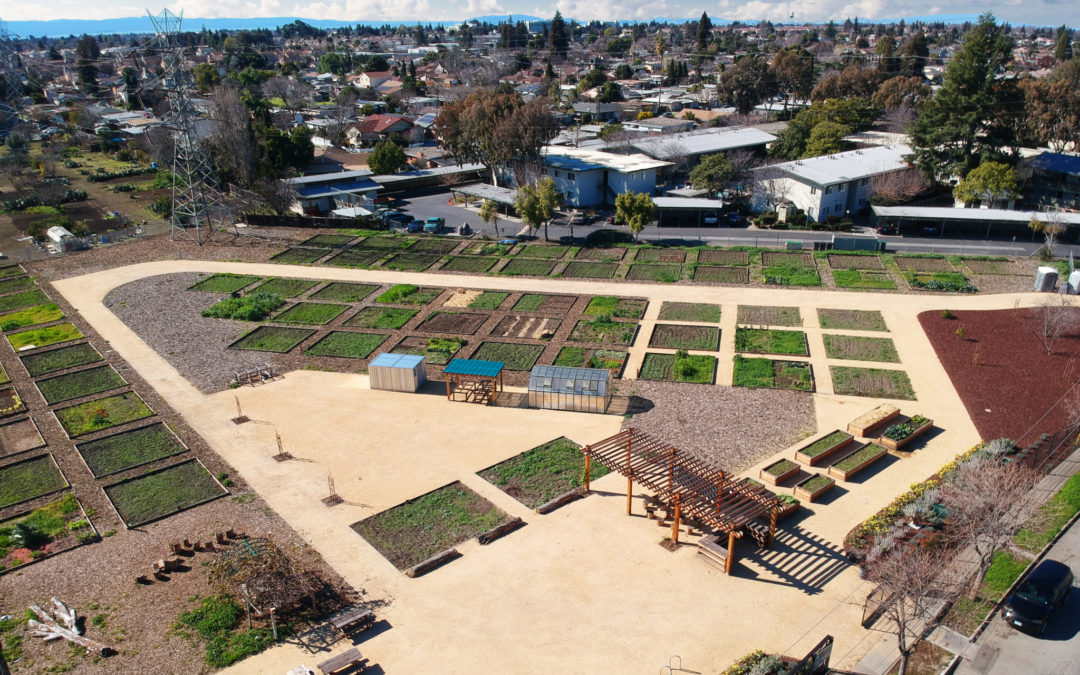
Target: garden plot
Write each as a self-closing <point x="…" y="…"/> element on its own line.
<point x="473" y="264"/>
<point x="31" y="316"/>
<point x="543" y="252"/>
<point x="278" y="339"/>
<point x="872" y="382"/>
<point x="948" y="282"/>
<point x="80" y="383"/>
<point x="757" y="315"/>
<point x="356" y="257"/>
<point x="4" y="377"/>
<point x="855" y="348"/>
<point x="772" y="374"/>
<point x="224" y="283"/>
<point x="347" y="344"/>
<point x="855" y="262"/>
<point x="487" y="248"/>
<point x="538" y="302"/>
<point x="781" y="275"/>
<point x="54" y="528"/>
<point x="43" y="363"/>
<point x="602" y="330"/>
<point x="723" y="257"/>
<point x="436" y="351"/>
<point x="774" y="259"/>
<point x="920" y="264"/>
<point x="766" y="341"/>
<point x="660" y="255"/>
<point x="341" y="291"/>
<point x="407" y="294"/>
<point x="528" y="267"/>
<point x="486" y="300"/>
<point x="286" y="288"/>
<point x="514" y="356"/>
<point x="648" y="272"/>
<point x="863" y="279"/>
<point x="311" y="313"/>
<point x="676" y="336"/>
<point x="299" y="256"/>
<point x="384" y="243"/>
<point x="602" y="254"/>
<point x="328" y="241"/>
<point x="381" y="317"/>
<point x="590" y="270"/>
<point x="537" y="476"/>
<point x="20" y="300"/>
<point x="526" y="327"/>
<point x="102" y="413"/>
<point x="436" y="246"/>
<point x="129" y="449"/>
<point x="10" y="402"/>
<point x="29" y="479"/>
<point x="19" y="436"/>
<point x="996" y="266"/>
<point x="587" y="357"/>
<point x="11" y="271"/>
<point x="420" y="528"/>
<point x="722" y="275"/>
<point x="454" y="323"/>
<point x="43" y="337"/>
<point x="624" y="308"/>
<point x="852" y="319"/>
<point x="680" y="367"/>
<point x="410" y="261"/>
<point x="690" y="311"/>
<point x="164" y="492"/>
<point x="13" y="284"/>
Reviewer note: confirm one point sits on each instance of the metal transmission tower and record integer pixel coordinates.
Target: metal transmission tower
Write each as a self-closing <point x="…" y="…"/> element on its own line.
<point x="11" y="89"/>
<point x="197" y="205"/>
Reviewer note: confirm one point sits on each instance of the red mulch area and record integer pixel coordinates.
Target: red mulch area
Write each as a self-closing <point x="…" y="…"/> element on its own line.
<point x="1015" y="378"/>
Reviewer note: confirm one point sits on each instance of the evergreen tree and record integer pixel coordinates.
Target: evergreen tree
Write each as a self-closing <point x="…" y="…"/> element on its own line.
<point x="704" y="32"/>
<point x="1063" y="49"/>
<point x="916" y="53"/>
<point x="558" y="38"/>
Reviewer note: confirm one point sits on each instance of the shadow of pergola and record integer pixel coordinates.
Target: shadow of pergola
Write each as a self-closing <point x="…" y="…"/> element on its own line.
<point x="797" y="558"/>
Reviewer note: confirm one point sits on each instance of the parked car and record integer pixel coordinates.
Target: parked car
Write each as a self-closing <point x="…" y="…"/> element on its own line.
<point x="886" y="229"/>
<point x="578" y="219"/>
<point x="434" y="225"/>
<point x="415" y="227"/>
<point x="1034" y="600"/>
<point x="397" y="217"/>
<point x="710" y="218"/>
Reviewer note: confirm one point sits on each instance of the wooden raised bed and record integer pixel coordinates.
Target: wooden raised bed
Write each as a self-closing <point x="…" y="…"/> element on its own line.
<point x="813" y="453"/>
<point x="856" y="460"/>
<point x="714" y="549"/>
<point x="915" y="433"/>
<point x="813" y="486"/>
<point x="787" y="509"/>
<point x="779" y="471"/>
<point x="867" y="421"/>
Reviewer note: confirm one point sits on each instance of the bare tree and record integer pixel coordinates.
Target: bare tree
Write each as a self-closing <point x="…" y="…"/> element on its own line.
<point x="985" y="497"/>
<point x="1050" y="227"/>
<point x="343" y="112"/>
<point x="1056" y="318"/>
<point x="773" y="186"/>
<point x="279" y="195"/>
<point x="232" y="140"/>
<point x="898" y="119"/>
<point x="897" y="186"/>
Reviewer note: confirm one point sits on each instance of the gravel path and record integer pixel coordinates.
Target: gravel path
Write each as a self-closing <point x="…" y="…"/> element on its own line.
<point x="733" y="427"/>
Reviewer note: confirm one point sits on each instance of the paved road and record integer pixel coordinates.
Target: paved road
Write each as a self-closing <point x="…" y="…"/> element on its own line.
<point x="1004" y="651"/>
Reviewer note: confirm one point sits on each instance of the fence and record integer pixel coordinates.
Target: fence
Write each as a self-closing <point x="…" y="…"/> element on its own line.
<point x="263" y="220"/>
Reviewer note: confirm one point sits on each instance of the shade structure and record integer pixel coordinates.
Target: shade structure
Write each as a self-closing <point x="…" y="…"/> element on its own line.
<point x="396" y="372"/>
<point x="562" y="388"/>
<point x="474" y="380"/>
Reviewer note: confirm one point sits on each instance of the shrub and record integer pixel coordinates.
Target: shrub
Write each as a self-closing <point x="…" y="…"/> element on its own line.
<point x="946" y="314"/>
<point x="162" y="206"/>
<point x="255" y="307"/>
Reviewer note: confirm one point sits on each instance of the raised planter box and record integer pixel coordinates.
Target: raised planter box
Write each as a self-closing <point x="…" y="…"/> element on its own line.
<point x="714" y="550"/>
<point x="787" y="510"/>
<point x="780" y="471"/>
<point x="867" y="421"/>
<point x="818" y="451"/>
<point x="813" y="486"/>
<point x="856" y="460"/>
<point x="892" y="444"/>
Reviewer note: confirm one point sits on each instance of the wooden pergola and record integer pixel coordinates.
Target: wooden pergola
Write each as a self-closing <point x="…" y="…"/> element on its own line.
<point x="684" y="482"/>
<point x="478" y="381"/>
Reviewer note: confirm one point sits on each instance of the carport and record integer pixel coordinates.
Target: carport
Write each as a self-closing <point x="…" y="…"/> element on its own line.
<point x="983" y="222"/>
<point x="686" y="211"/>
<point x="504" y="197"/>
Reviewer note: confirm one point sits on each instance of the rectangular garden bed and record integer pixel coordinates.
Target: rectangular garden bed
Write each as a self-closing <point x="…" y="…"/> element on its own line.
<point x="515" y="356"/>
<point x="10" y="402"/>
<point x="347" y="344"/>
<point x="943" y="282"/>
<point x="43" y="337"/>
<point x="758" y="315"/>
<point x="43" y="363"/>
<point x="872" y="382"/>
<point x="488" y="300"/>
<point x="624" y="308"/>
<point x="539" y="475"/>
<point x="689" y="311"/>
<point x="472" y="264"/>
<point x="587" y="357"/>
<point x="80" y="383"/>
<point x="311" y="313"/>
<point x="772" y="258"/>
<point x="590" y="270"/>
<point x="286" y="288"/>
<point x="411" y="262"/>
<point x="545" y="304"/>
<point x="13" y="284"/>
<point x="298" y="256"/>
<point x="341" y="291"/>
<point x="722" y="275"/>
<point x="855" y="461"/>
<point x="660" y="255"/>
<point x="995" y="266"/>
<point x="384" y="243"/>
<point x="487" y="248"/>
<point x="790" y="276"/>
<point x="129" y="449"/>
<point x="436" y="351"/>
<point x="817" y="452"/>
<point x="19" y="436"/>
<point x="779" y="471"/>
<point x="381" y="317"/>
<point x="678" y="336"/>
<point x="528" y="267"/>
<point x="30" y="316"/>
<point x="526" y="327"/>
<point x="614" y="254"/>
<point x="694" y="368"/>
<point x="772" y="374"/>
<point x="852" y="319"/>
<point x="356" y="257"/>
<point x="923" y="264"/>
<point x="434" y="245"/>
<point x="900" y="434"/>
<point x="648" y="272"/>
<point x="839" y="261"/>
<point x="604" y="331"/>
<point x="769" y="341"/>
<point x="57" y="527"/>
<point x="328" y="240"/>
<point x="854" y="348"/>
<point x="862" y="424"/>
<point x="542" y="251"/>
<point x="407" y="294"/>
<point x="813" y="487"/>
<point x="224" y="283"/>
<point x="863" y="279"/>
<point x="277" y="339"/>
<point x="455" y="323"/>
<point x="29" y="479"/>
<point x="714" y="257"/>
<point x="102" y="413"/>
<point x="24" y="299"/>
<point x="163" y="493"/>
<point x="420" y="528"/>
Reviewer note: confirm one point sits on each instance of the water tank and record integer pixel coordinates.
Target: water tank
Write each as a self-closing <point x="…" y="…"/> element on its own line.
<point x="1046" y="279"/>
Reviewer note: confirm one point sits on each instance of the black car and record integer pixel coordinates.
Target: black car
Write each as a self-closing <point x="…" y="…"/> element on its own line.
<point x="1037" y="596"/>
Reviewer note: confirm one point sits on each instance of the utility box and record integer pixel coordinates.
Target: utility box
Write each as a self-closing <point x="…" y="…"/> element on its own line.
<point x="1046" y="279"/>
<point x="397" y="372"/>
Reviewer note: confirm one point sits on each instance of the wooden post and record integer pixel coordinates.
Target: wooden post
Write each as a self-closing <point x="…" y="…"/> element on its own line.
<point x="671" y="472"/>
<point x="588" y="467"/>
<point x="772" y="526"/>
<point x="675" y="521"/>
<point x="629" y="493"/>
<point x="447" y="387"/>
<point x="730" y="552"/>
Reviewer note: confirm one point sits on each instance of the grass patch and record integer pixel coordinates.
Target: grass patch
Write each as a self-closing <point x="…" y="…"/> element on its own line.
<point x="780" y="275"/>
<point x="755" y="373"/>
<point x="28" y="479"/>
<point x="286" y="288"/>
<point x="530" y="302"/>
<point x="1051" y="517"/>
<point x="25" y="299"/>
<point x="219" y="623"/>
<point x="948" y="282"/>
<point x="16" y="284"/>
<point x="759" y="315"/>
<point x="863" y="279"/>
<point x="690" y="311"/>
<point x="163" y="493"/>
<point x="966" y="614"/>
<point x="407" y="294"/>
<point x="770" y="341"/>
<point x="298" y="256"/>
<point x="780" y="468"/>
<point x="571" y="357"/>
<point x="416" y="530"/>
<point x="872" y="382"/>
<point x="384" y="243"/>
<point x="254" y="307"/>
<point x="675" y="336"/>
<point x="381" y="317"/>
<point x="436" y="351"/>
<point x="224" y="283"/>
<point x="661" y="255"/>
<point x="60" y="359"/>
<point x="277" y="339"/>
<point x="852" y="319"/>
<point x="344" y="292"/>
<point x="590" y="270"/>
<point x="113" y="454"/>
<point x="667" y="274"/>
<point x="544" y="252"/>
<point x="102" y="413"/>
<point x="328" y="240"/>
<point x="434" y="245"/>
<point x="603" y="330"/>
<point x="859" y="456"/>
<point x="681" y="367"/>
<point x="14" y="270"/>
<point x="860" y="348"/>
<point x="410" y="261"/>
<point x="311" y="313"/>
<point x="347" y="344"/>
<point x="629" y="308"/>
<point x="825" y="443"/>
<point x="31" y="317"/>
<point x="528" y="267"/>
<point x="79" y="384"/>
<point x="356" y="257"/>
<point x="514" y="356"/>
<point x="488" y="300"/>
<point x="471" y="264"/>
<point x="722" y="275"/>
<point x="537" y="476"/>
<point x="43" y="337"/>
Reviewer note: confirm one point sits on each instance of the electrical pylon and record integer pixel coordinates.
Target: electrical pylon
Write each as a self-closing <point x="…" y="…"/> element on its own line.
<point x="11" y="89"/>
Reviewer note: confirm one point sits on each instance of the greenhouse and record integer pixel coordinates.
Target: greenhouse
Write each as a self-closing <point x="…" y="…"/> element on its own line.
<point x="579" y="389"/>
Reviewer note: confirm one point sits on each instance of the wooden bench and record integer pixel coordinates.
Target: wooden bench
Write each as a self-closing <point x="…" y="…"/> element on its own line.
<point x="353" y="620"/>
<point x="340" y="662"/>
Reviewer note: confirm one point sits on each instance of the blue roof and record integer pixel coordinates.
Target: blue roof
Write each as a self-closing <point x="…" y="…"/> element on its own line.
<point x="474" y="367"/>
<point x="388" y="360"/>
<point x="1057" y="162"/>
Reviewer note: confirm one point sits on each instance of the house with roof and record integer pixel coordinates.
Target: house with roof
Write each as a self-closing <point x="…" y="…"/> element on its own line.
<point x="588" y="177"/>
<point x="375" y="128"/>
<point x="830" y="185"/>
<point x="373" y="79"/>
<point x="1052" y="182"/>
<point x="320" y="194"/>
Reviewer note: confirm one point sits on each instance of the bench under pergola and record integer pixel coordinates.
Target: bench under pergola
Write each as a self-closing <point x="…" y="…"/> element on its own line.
<point x="684" y="482"/>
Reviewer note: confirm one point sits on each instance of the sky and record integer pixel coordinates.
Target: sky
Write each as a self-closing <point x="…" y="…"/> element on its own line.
<point x="1048" y="12"/>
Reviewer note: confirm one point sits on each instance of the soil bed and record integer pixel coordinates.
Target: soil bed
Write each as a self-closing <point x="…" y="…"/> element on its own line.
<point x="590" y="270"/>
<point x="723" y="257"/>
<point x="872" y="382"/>
<point x="286" y="288"/>
<point x="80" y="383"/>
<point x="128" y="449"/>
<point x="469" y="264"/>
<point x="381" y="317"/>
<point x="545" y="304"/>
<point x="526" y="327"/>
<point x="852" y="319"/>
<point x="436" y="351"/>
<point x="514" y="356"/>
<point x="355" y="257"/>
<point x="923" y="264"/>
<point x="603" y="254"/>
<point x="341" y="291"/>
<point x="19" y="436"/>
<point x="722" y="275"/>
<point x="855" y="348"/>
<point x="299" y="256"/>
<point x="604" y="332"/>
<point x="102" y="413"/>
<point x="675" y="336"/>
<point x="528" y="267"/>
<point x="454" y="323"/>
<point x="758" y="315"/>
<point x="276" y="339"/>
<point x="772" y="374"/>
<point x="689" y="311"/>
<point x="347" y="344"/>
<point x="660" y="255"/>
<point x="649" y="272"/>
<point x="164" y="492"/>
<point x="29" y="478"/>
<point x="539" y="475"/>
